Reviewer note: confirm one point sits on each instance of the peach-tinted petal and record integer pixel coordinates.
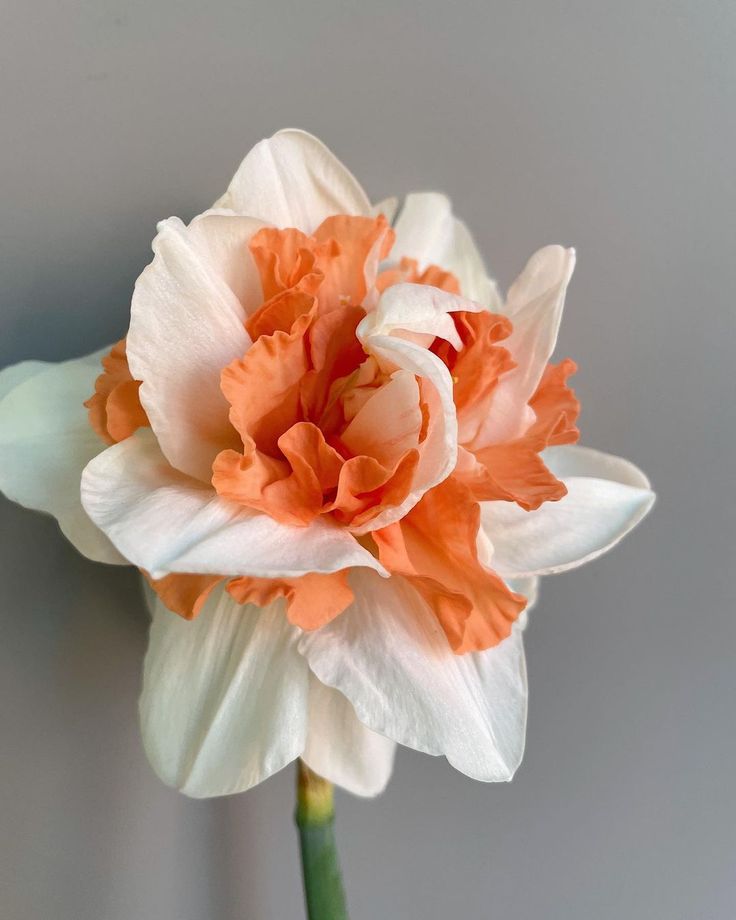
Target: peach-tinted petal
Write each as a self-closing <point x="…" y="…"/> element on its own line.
<point x="367" y="487"/>
<point x="514" y="472"/>
<point x="435" y="548"/>
<point x="335" y="353"/>
<point x="315" y="463"/>
<point x="311" y="601"/>
<point x="115" y="410"/>
<point x="389" y="421"/>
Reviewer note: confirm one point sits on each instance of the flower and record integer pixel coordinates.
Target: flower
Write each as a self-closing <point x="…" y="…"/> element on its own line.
<point x="342" y="460"/>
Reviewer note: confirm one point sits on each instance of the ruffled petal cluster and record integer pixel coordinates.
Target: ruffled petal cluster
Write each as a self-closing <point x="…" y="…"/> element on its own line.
<point x="341" y="461"/>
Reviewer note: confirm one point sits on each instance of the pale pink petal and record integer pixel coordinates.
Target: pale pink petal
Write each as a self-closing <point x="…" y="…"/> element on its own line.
<point x="340" y="748"/>
<point x="187" y="322"/>
<point x="388" y="655"/>
<point x="45" y="443"/>
<point x="388" y="423"/>
<point x="163" y="522"/>
<point x="225" y="696"/>
<point x="293" y="180"/>
<point x="606" y="498"/>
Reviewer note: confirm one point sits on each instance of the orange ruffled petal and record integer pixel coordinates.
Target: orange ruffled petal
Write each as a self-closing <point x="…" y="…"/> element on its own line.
<point x="407" y="271"/>
<point x="556" y="406"/>
<point x="476" y="368"/>
<point x="311" y="601"/>
<point x="337" y="263"/>
<point x="184" y="594"/>
<point x="115" y="410"/>
<point x="435" y="548"/>
<point x="362" y="243"/>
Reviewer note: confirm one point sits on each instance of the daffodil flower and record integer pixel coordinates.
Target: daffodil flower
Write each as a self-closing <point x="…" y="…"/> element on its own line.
<point x="341" y="461"/>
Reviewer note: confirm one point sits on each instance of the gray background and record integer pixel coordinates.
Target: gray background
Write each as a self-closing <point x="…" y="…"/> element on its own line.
<point x="607" y="126"/>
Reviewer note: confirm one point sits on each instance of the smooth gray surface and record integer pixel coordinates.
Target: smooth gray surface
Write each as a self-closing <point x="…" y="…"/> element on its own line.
<point x="608" y="126"/>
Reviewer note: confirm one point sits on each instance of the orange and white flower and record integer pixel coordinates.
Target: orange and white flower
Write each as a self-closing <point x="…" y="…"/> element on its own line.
<point x="342" y="460"/>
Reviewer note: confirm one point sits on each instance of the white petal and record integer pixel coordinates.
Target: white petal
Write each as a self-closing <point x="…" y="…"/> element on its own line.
<point x="427" y="231"/>
<point x="293" y="180"/>
<point x="607" y="497"/>
<point x="224" y="703"/>
<point x="340" y="748"/>
<point x="45" y="443"/>
<point x="13" y="376"/>
<point x="417" y="308"/>
<point x="394" y="332"/>
<point x="439" y="449"/>
<point x="166" y="522"/>
<point x="387" y="654"/>
<point x="534" y="305"/>
<point x="187" y="323"/>
<point x="466" y="263"/>
<point x="571" y="460"/>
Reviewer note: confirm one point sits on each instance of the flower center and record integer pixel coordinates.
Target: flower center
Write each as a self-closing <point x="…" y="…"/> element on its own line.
<point x="326" y="428"/>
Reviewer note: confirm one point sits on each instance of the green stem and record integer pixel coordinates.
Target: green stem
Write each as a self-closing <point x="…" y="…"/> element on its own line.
<point x="315" y="818"/>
